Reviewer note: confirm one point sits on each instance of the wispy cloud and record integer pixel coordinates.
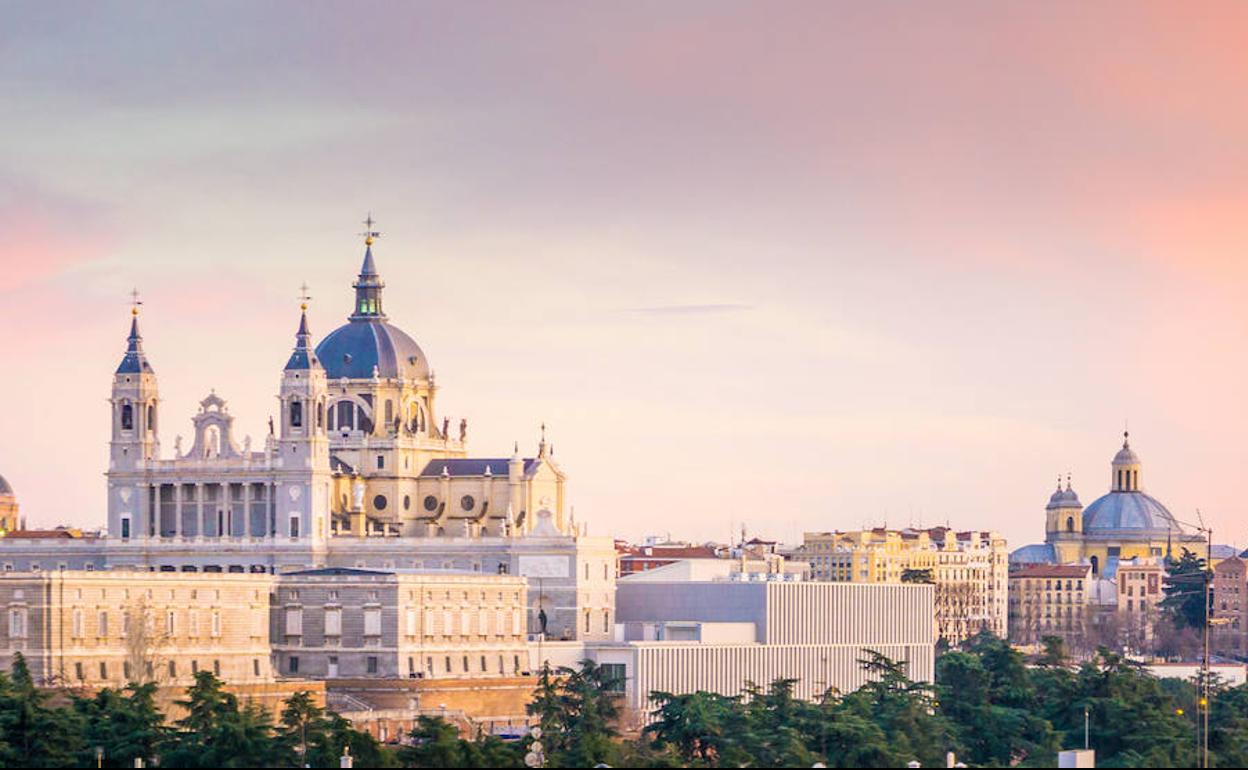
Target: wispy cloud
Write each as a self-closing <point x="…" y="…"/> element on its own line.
<point x="710" y="309"/>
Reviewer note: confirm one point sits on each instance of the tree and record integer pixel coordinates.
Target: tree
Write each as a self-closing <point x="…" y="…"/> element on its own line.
<point x="35" y="735"/>
<point x="303" y="724"/>
<point x="125" y="724"/>
<point x="1186" y="588"/>
<point x="988" y="695"/>
<point x="910" y="575"/>
<point x="434" y="742"/>
<point x="216" y="733"/>
<point x="577" y="712"/>
<point x="697" y="726"/>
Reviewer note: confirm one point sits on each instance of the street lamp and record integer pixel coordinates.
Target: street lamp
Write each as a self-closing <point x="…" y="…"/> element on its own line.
<point x="535" y="757"/>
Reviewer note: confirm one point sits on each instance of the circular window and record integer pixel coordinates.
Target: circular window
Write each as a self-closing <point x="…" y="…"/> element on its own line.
<point x="379" y="502"/>
<point x="431" y="503"/>
<point x="407" y="502"/>
<point x="467" y="503"/>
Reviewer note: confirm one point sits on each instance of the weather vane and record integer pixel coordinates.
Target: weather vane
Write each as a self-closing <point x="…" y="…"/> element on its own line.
<point x="135" y="301"/>
<point x="304" y="297"/>
<point x="369" y="233"/>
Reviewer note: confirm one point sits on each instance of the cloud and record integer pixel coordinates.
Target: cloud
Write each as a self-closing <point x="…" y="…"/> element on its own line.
<point x="709" y="309"/>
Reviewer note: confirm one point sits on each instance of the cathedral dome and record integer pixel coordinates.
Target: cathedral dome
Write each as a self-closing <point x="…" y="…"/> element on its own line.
<point x="1126" y="511"/>
<point x="5" y="489"/>
<point x="353" y="350"/>
<point x="1129" y="513"/>
<point x="367" y="344"/>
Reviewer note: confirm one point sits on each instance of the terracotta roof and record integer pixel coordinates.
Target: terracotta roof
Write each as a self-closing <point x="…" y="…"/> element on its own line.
<point x="37" y="534"/>
<point x="1051" y="571"/>
<point x="675" y="552"/>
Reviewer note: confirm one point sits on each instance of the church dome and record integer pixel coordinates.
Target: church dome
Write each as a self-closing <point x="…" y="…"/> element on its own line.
<point x="1129" y="513"/>
<point x="5" y="489"/>
<point x="1126" y="511"/>
<point x="353" y="350"/>
<point x="367" y="344"/>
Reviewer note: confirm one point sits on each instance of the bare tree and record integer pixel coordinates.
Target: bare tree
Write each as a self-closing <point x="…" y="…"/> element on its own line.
<point x="146" y="640"/>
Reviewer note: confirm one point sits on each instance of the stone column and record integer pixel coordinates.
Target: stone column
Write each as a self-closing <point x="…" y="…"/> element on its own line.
<point x="199" y="509"/>
<point x="227" y="527"/>
<point x="246" y="508"/>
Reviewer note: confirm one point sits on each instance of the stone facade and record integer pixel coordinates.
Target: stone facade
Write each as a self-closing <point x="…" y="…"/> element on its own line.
<point x="349" y="623"/>
<point x="1049" y="600"/>
<point x="96" y="629"/>
<point x="1230" y="608"/>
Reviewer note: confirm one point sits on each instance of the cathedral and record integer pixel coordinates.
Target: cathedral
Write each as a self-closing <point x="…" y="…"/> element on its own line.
<point x="357" y="471"/>
<point x="1123" y="525"/>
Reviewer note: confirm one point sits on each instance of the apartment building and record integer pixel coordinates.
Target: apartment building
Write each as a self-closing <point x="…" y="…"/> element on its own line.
<point x="970" y="570"/>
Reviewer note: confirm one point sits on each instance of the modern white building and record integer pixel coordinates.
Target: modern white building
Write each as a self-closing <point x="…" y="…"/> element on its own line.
<point x="722" y="635"/>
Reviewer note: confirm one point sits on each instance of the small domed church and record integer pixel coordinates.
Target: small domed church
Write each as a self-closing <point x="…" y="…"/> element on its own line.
<point x="1124" y="524"/>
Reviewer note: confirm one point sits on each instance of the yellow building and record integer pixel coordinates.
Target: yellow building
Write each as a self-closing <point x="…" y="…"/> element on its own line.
<point x="969" y="569"/>
<point x="1124" y="525"/>
<point x="8" y="507"/>
<point x="1049" y="600"/>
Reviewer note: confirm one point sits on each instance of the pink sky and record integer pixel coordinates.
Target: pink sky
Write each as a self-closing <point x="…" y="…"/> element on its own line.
<point x="803" y="266"/>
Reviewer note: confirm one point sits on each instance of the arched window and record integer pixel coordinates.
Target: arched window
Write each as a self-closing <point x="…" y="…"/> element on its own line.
<point x="151" y="418"/>
<point x="296" y="414"/>
<point x="346" y="415"/>
<point x="320" y="416"/>
<point x="1070" y="523"/>
<point x="127" y="417"/>
<point x="1096" y="566"/>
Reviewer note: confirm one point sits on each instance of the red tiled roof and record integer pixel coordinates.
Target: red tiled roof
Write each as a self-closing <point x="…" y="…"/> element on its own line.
<point x="1051" y="571"/>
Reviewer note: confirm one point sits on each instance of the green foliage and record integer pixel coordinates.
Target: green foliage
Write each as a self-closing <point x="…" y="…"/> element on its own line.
<point x="437" y="743"/>
<point x="917" y="576"/>
<point x="577" y="711"/>
<point x="989" y="705"/>
<point x="1186" y="589"/>
<point x="126" y="725"/>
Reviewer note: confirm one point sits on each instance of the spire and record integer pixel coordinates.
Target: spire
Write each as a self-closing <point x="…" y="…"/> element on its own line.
<point x="304" y="357"/>
<point x="135" y="360"/>
<point x="369" y="285"/>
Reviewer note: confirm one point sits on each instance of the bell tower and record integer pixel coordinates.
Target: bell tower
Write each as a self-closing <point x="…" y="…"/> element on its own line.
<point x="303" y="443"/>
<point x="135" y="405"/>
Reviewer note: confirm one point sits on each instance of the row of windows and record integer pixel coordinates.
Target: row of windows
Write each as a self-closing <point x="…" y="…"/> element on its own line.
<point x="447" y="664"/>
<point x="171" y="625"/>
<point x="80" y="670"/>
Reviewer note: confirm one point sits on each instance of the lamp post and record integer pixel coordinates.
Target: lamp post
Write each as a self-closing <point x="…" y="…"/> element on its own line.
<point x="536" y="756"/>
<point x="1202" y="703"/>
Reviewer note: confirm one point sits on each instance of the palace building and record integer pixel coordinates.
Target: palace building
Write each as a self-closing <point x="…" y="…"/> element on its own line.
<point x="359" y="471"/>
